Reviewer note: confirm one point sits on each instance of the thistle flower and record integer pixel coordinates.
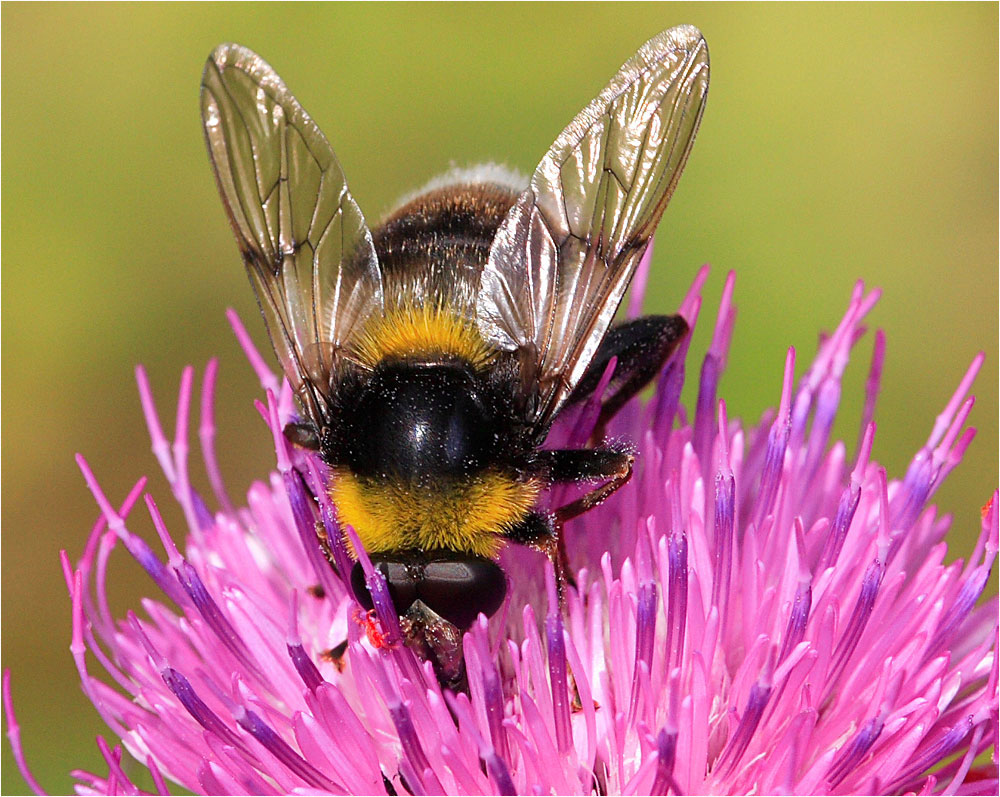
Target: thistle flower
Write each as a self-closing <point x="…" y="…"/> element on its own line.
<point x="759" y="610"/>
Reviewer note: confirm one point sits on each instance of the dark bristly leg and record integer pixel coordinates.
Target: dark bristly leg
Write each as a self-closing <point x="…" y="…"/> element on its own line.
<point x="544" y="532"/>
<point x="611" y="466"/>
<point x="541" y="532"/>
<point x="642" y="346"/>
<point x="617" y="477"/>
<point x="324" y="546"/>
<point x="579" y="464"/>
<point x="304" y="435"/>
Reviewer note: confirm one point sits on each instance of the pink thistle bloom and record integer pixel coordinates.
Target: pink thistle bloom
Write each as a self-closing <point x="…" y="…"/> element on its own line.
<point x="758" y="611"/>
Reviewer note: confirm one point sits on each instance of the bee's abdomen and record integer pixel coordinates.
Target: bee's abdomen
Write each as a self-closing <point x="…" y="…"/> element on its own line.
<point x="415" y="422"/>
<point x="445" y="227"/>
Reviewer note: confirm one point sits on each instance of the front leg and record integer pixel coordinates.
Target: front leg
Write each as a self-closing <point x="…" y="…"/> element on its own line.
<point x="303" y="434"/>
<point x="543" y="531"/>
<point x="611" y="466"/>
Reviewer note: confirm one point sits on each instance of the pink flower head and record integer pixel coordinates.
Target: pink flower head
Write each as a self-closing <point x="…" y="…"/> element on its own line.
<point x="760" y="610"/>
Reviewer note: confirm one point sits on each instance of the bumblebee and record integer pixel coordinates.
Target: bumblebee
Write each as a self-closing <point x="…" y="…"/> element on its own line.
<point x="432" y="353"/>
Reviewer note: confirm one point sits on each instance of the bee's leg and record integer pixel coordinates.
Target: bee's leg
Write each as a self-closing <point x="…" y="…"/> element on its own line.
<point x="616" y="466"/>
<point x="586" y="464"/>
<point x="543" y="533"/>
<point x="324" y="546"/>
<point x="642" y="346"/>
<point x="304" y="435"/>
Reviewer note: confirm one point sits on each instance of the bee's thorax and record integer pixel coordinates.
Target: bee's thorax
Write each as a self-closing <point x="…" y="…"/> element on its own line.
<point x="419" y="421"/>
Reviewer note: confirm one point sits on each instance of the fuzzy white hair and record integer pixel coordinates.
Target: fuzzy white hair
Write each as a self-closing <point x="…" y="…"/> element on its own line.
<point x="495" y="173"/>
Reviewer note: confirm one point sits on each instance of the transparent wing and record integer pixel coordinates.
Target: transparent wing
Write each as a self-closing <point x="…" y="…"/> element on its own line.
<point x="303" y="238"/>
<point x="562" y="259"/>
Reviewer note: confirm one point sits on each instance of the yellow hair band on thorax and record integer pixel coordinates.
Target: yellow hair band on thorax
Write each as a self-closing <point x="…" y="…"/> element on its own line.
<point x="467" y="515"/>
<point x="414" y="331"/>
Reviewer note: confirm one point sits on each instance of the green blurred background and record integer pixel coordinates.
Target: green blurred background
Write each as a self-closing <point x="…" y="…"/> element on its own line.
<point x="840" y="142"/>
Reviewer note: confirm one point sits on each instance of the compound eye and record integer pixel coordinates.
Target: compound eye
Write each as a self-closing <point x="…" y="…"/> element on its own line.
<point x="459" y="589"/>
<point x="400" y="578"/>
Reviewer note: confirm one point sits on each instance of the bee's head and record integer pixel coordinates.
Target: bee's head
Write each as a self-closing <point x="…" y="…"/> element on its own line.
<point x="455" y="586"/>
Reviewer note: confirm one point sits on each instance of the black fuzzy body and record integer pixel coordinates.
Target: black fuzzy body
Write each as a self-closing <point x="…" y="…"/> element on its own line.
<point x="424" y="417"/>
